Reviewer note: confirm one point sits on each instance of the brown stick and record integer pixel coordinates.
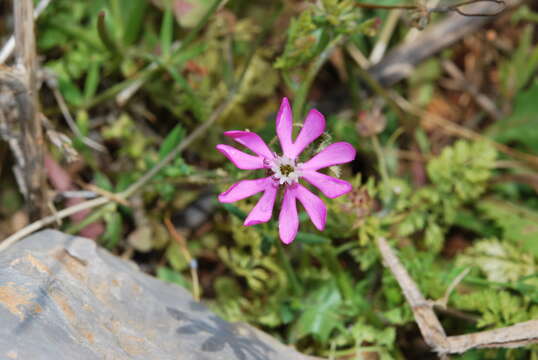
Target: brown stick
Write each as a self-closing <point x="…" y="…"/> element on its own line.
<point x="427" y="321"/>
<point x="401" y="61"/>
<point x="521" y="334"/>
<point x="32" y="134"/>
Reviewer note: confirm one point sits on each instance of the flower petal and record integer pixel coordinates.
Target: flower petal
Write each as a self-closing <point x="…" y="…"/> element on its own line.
<point x="263" y="210"/>
<point x="288" y="220"/>
<point x="252" y="141"/>
<point x="240" y="159"/>
<point x="313" y="127"/>
<point x="329" y="186"/>
<point x="284" y="127"/>
<point x="334" y="154"/>
<point x="314" y="207"/>
<point x="244" y="189"/>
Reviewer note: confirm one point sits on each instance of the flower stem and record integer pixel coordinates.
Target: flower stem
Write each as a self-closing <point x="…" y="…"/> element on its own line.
<point x="381" y="159"/>
<point x="342" y="279"/>
<point x="302" y="92"/>
<point x="296" y="286"/>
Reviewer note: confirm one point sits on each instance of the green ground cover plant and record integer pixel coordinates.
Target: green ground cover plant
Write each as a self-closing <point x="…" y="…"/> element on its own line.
<point x="459" y="206"/>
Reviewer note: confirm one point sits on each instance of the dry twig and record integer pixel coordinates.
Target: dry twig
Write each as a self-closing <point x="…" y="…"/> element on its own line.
<point x="180" y="240"/>
<point x="400" y="62"/>
<point x="521" y="334"/>
<point x="197" y="133"/>
<point x="458" y="130"/>
<point x="32" y="133"/>
<point x="481" y="99"/>
<point x="8" y="48"/>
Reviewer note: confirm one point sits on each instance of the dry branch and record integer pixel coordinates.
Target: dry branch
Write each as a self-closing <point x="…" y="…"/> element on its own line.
<point x="521" y="334"/>
<point x="30" y="124"/>
<point x="400" y="62"/>
<point x="9" y="46"/>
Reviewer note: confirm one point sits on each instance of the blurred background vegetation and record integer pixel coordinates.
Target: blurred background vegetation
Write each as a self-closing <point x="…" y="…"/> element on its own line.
<point x="446" y="166"/>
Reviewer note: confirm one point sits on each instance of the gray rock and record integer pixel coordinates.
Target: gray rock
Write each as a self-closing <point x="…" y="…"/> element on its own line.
<point x="61" y="297"/>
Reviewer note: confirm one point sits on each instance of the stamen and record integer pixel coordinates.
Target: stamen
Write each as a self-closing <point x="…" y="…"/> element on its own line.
<point x="285" y="171"/>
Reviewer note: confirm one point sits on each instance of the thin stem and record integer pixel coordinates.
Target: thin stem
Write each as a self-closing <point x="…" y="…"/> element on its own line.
<point x="302" y="93"/>
<point x="381" y="159"/>
<point x="342" y="280"/>
<point x="51" y="219"/>
<point x="93" y="217"/>
<point x="193" y="264"/>
<point x="292" y="277"/>
<point x="381" y="91"/>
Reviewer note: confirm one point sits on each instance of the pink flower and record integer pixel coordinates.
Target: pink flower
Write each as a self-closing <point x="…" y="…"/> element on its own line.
<point x="285" y="172"/>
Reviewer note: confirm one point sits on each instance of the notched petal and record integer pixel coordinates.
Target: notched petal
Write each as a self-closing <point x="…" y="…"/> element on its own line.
<point x="284" y="127"/>
<point x="334" y="154"/>
<point x="288" y="220"/>
<point x="314" y="206"/>
<point x="244" y="189"/>
<point x="240" y="159"/>
<point x="252" y="141"/>
<point x="328" y="185"/>
<point x="313" y="127"/>
<point x="263" y="210"/>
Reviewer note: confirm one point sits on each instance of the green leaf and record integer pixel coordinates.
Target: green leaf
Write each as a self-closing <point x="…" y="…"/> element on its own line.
<point x="499" y="261"/>
<point x="171" y="141"/>
<point x="311" y="239"/>
<point x="171" y="276"/>
<point x="134" y="19"/>
<point x="434" y="237"/>
<point x="498" y="308"/>
<point x="105" y="35"/>
<point x="167" y="29"/>
<point x="519" y="223"/>
<point x="234" y="210"/>
<point x="101" y="180"/>
<point x="521" y="127"/>
<point x="516" y="72"/>
<point x="471" y="221"/>
<point x="319" y="317"/>
<point x="114" y="229"/>
<point x="366" y="333"/>
<point x="92" y="80"/>
<point x="70" y="90"/>
<point x="463" y="169"/>
<point x="175" y="257"/>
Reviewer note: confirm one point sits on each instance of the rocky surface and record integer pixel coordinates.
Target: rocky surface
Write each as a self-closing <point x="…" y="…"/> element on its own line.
<point x="61" y="297"/>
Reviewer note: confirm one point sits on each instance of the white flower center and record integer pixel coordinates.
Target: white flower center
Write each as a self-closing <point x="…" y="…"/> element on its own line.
<point x="285" y="170"/>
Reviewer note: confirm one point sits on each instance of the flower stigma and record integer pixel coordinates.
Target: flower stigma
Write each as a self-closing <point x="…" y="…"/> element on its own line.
<point x="285" y="170"/>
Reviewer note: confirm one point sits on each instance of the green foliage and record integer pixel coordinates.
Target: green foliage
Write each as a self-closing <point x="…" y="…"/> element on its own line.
<point x="498" y="308"/>
<point x="519" y="224"/>
<point x="319" y="317"/>
<point x="499" y="261"/>
<point x="463" y="169"/>
<point x="459" y="175"/>
<point x="516" y="71"/>
<point x="371" y="339"/>
<point x="171" y="276"/>
<point x="520" y="127"/>
<point x="143" y="75"/>
<point x="311" y="32"/>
